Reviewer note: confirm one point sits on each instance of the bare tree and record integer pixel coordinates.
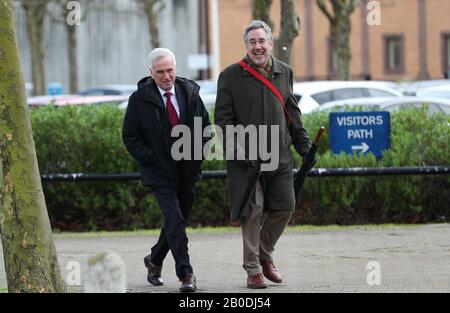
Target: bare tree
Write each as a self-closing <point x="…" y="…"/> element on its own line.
<point x="289" y="30"/>
<point x="338" y="13"/>
<point x="35" y="12"/>
<point x="261" y="11"/>
<point x="29" y="252"/>
<point x="153" y="9"/>
<point x="71" y="23"/>
<point x="290" y="25"/>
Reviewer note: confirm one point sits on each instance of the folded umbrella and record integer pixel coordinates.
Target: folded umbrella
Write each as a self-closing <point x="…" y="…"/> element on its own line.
<point x="308" y="163"/>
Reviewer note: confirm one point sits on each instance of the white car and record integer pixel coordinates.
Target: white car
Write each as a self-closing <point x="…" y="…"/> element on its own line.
<point x="109" y="90"/>
<point x="435" y="105"/>
<point x="208" y="93"/>
<point x="411" y="88"/>
<point x="442" y="91"/>
<point x="62" y="100"/>
<point x="311" y="95"/>
<point x="38" y="101"/>
<point x="29" y="89"/>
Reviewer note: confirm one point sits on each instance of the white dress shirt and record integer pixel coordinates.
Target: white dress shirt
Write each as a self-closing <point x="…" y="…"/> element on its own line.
<point x="173" y="98"/>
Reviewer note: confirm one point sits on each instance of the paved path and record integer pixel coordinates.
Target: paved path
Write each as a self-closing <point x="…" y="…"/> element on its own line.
<point x="411" y="259"/>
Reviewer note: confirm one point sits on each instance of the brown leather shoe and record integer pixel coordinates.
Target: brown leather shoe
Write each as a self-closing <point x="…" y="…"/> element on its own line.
<point x="154" y="272"/>
<point x="256" y="281"/>
<point x="270" y="272"/>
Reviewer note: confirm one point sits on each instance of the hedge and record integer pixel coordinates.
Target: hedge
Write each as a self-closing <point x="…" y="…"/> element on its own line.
<point x="87" y="139"/>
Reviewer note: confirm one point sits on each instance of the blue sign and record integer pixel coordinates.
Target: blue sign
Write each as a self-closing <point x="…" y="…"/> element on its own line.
<point x="54" y="89"/>
<point x="360" y="132"/>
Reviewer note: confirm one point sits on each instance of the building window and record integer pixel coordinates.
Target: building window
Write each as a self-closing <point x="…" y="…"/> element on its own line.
<point x="394" y="54"/>
<point x="446" y="55"/>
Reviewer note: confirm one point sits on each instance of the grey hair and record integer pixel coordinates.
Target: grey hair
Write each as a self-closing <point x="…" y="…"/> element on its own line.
<point x="257" y="24"/>
<point x="158" y="54"/>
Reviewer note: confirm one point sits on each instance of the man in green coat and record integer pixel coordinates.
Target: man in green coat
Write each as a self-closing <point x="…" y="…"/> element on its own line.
<point x="263" y="200"/>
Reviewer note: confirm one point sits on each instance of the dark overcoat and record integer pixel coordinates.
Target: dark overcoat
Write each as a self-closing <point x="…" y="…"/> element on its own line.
<point x="243" y="100"/>
<point x="146" y="131"/>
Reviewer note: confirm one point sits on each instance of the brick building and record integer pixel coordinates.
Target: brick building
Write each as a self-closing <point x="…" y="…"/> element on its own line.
<point x="411" y="42"/>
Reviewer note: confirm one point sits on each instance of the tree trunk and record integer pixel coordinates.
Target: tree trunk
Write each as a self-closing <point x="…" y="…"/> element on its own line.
<point x="261" y="11"/>
<point x="290" y="26"/>
<point x="28" y="249"/>
<point x="153" y="29"/>
<point x="340" y="30"/>
<point x="35" y="14"/>
<point x="72" y="57"/>
<point x="72" y="43"/>
<point x="152" y="9"/>
<point x="342" y="45"/>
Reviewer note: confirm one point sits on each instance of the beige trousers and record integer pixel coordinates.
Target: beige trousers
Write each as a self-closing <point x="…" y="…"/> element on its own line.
<point x="261" y="231"/>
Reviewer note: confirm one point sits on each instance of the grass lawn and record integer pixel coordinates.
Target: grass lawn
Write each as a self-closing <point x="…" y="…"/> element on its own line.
<point x="211" y="230"/>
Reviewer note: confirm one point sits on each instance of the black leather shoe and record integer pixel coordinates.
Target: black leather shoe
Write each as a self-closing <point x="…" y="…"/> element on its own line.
<point x="154" y="272"/>
<point x="189" y="284"/>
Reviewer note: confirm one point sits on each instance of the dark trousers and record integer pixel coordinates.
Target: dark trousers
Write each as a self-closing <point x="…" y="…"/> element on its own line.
<point x="175" y="204"/>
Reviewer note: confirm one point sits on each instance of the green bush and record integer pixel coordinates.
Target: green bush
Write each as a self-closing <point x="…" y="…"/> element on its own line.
<point x="416" y="140"/>
<point x="87" y="139"/>
<point x="78" y="139"/>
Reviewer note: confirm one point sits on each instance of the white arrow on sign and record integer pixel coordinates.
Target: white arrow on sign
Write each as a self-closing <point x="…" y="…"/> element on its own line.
<point x="364" y="147"/>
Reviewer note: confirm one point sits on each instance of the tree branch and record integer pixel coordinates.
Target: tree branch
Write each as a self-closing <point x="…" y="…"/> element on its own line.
<point x="261" y="11"/>
<point x="323" y="8"/>
<point x="352" y="5"/>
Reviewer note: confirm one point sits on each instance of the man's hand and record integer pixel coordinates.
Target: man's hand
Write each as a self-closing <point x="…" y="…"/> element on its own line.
<point x="311" y="161"/>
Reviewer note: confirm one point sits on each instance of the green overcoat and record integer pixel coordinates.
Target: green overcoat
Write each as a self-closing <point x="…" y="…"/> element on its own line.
<point x="243" y="100"/>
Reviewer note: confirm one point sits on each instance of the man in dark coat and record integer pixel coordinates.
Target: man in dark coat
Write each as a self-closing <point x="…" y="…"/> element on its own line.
<point x="162" y="103"/>
<point x="263" y="200"/>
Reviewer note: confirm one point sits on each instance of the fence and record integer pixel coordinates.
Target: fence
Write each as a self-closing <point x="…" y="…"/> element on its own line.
<point x="221" y="174"/>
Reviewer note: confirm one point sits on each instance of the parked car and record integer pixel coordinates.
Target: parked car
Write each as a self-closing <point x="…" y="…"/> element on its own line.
<point x="88" y="100"/>
<point x="435" y="105"/>
<point x="62" y="100"/>
<point x="109" y="90"/>
<point x="29" y="89"/>
<point x="411" y="88"/>
<point x="208" y="93"/>
<point x="311" y="95"/>
<point x="37" y="101"/>
<point x="442" y="91"/>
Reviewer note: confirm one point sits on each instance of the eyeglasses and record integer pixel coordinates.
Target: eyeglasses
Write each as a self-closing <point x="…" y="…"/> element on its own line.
<point x="253" y="42"/>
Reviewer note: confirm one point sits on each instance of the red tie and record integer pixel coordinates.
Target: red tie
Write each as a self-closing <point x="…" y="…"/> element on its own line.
<point x="173" y="116"/>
